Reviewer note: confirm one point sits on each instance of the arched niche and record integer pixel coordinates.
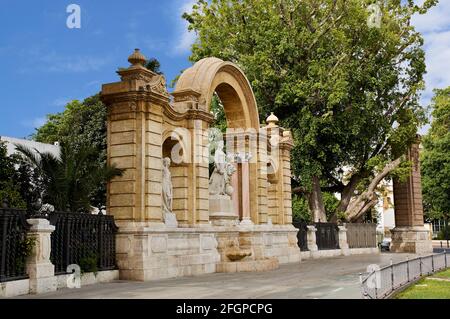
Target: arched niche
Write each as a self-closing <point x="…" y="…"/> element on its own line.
<point x="173" y="147"/>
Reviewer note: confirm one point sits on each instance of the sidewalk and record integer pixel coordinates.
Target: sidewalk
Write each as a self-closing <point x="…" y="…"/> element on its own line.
<point x="321" y="278"/>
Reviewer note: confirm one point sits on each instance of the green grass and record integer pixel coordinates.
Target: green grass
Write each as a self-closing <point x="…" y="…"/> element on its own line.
<point x="428" y="289"/>
<point x="443" y="274"/>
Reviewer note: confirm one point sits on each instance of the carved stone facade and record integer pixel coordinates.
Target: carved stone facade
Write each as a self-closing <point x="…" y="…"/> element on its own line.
<point x="147" y="124"/>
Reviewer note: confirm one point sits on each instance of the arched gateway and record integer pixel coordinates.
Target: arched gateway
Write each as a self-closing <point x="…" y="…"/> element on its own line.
<point x="191" y="231"/>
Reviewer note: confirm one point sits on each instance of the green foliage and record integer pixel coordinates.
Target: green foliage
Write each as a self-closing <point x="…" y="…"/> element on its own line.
<point x="218" y="111"/>
<point x="153" y="65"/>
<point x="435" y="159"/>
<point x="81" y="124"/>
<point x="300" y="209"/>
<point x="70" y="179"/>
<point x="348" y="92"/>
<point x="331" y="203"/>
<point x="24" y="250"/>
<point x="9" y="189"/>
<point x="89" y="263"/>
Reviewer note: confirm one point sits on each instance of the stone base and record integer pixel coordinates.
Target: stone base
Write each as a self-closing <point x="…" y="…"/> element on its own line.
<point x="148" y="253"/>
<point x="170" y="220"/>
<point x="248" y="266"/>
<point x="415" y="240"/>
<point x="316" y="254"/>
<point x="221" y="211"/>
<point x="43" y="285"/>
<point x="14" y="288"/>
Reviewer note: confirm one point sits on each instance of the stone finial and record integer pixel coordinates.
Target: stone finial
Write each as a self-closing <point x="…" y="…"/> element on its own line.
<point x="272" y="120"/>
<point x="137" y="58"/>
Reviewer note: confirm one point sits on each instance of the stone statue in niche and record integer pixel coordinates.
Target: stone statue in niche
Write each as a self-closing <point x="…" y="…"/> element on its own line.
<point x="167" y="195"/>
<point x="220" y="180"/>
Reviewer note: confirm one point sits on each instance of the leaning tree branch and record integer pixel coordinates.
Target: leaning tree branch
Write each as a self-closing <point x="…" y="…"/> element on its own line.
<point x="368" y="198"/>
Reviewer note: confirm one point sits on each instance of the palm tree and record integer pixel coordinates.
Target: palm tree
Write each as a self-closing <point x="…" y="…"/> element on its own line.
<point x="70" y="179"/>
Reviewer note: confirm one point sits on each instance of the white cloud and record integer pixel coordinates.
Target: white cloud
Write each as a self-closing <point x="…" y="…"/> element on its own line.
<point x="185" y="39"/>
<point x="435" y="27"/>
<point x="60" y="101"/>
<point x="34" y="123"/>
<point x="435" y="20"/>
<point x="43" y="61"/>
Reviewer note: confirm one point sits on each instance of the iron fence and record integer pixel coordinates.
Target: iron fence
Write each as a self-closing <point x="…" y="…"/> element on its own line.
<point x="302" y="235"/>
<point x="83" y="239"/>
<point x="327" y="236"/>
<point x="361" y="235"/>
<point x="381" y="283"/>
<point x="13" y="232"/>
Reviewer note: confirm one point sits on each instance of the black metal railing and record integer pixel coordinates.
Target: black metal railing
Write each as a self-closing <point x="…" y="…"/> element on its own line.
<point x="13" y="233"/>
<point x="361" y="235"/>
<point x="327" y="236"/>
<point x="302" y="235"/>
<point x="83" y="239"/>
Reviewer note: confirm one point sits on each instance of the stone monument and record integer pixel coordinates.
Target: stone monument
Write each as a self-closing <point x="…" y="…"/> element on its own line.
<point x="167" y="195"/>
<point x="220" y="190"/>
<point x="174" y="220"/>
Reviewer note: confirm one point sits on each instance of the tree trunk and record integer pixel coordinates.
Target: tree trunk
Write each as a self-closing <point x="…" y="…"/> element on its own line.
<point x="315" y="201"/>
<point x="346" y="196"/>
<point x="359" y="206"/>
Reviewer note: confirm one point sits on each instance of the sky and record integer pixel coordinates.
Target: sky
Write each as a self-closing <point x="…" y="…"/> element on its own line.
<point x="44" y="64"/>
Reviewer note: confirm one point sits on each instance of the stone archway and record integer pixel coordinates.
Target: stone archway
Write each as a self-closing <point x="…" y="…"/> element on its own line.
<point x="141" y="118"/>
<point x="211" y="75"/>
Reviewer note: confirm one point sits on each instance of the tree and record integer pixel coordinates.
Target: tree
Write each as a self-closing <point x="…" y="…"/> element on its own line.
<point x="435" y="161"/>
<point x="348" y="91"/>
<point x="9" y="189"/>
<point x="70" y="179"/>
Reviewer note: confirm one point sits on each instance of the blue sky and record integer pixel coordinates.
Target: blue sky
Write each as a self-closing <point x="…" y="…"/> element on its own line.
<point x="44" y="64"/>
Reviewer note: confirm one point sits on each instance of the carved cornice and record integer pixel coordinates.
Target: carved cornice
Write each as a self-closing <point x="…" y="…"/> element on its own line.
<point x="190" y="114"/>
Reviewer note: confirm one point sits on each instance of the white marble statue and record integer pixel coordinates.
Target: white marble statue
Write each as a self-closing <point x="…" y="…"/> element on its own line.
<point x="219" y="182"/>
<point x="167" y="195"/>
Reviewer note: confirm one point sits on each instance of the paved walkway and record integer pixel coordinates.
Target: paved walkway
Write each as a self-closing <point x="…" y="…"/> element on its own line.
<point x="336" y="277"/>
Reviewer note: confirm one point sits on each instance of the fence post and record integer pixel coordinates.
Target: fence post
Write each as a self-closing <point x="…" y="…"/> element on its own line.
<point x="407" y="268"/>
<point x="392" y="275"/>
<point x="39" y="267"/>
<point x="432" y="263"/>
<point x="343" y="243"/>
<point x="445" y="258"/>
<point x="420" y="266"/>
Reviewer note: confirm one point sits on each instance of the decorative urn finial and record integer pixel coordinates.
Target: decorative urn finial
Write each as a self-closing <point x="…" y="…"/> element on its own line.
<point x="137" y="58"/>
<point x="272" y="120"/>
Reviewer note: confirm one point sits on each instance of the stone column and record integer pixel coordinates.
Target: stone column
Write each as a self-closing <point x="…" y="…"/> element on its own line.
<point x="311" y="238"/>
<point x="236" y="189"/>
<point x="409" y="234"/>
<point x="343" y="244"/>
<point x="39" y="267"/>
<point x="246" y="218"/>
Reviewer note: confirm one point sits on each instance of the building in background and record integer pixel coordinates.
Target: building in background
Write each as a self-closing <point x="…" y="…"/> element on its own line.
<point x="41" y="147"/>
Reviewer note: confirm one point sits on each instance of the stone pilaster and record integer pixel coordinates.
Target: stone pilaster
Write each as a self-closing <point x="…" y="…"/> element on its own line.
<point x="343" y="243"/>
<point x="409" y="234"/>
<point x="39" y="267"/>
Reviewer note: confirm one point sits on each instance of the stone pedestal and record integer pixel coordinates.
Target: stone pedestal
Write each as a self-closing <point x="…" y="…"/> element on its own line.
<point x="311" y="238"/>
<point x="415" y="240"/>
<point x="221" y="211"/>
<point x="343" y="244"/>
<point x="147" y="253"/>
<point x="170" y="220"/>
<point x="39" y="268"/>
